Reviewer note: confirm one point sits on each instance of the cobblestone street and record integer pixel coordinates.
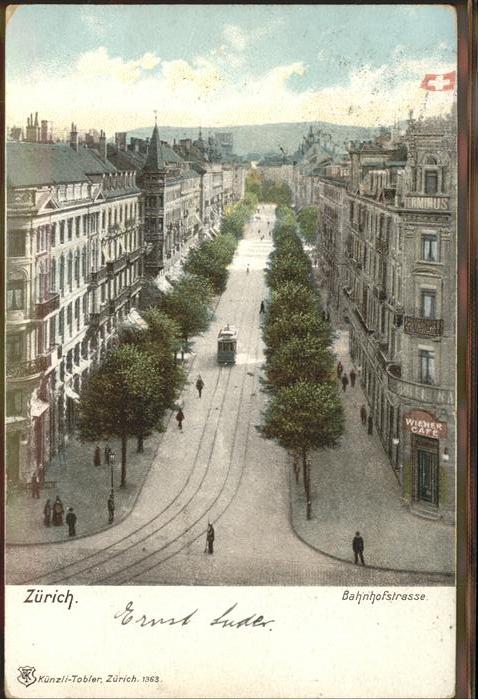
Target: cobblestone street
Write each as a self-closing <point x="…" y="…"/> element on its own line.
<point x="219" y="469"/>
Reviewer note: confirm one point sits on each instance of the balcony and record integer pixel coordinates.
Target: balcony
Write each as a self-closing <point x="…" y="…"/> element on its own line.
<point x="28" y="370"/>
<point x="133" y="256"/>
<point x="362" y="321"/>
<point x="116" y="265"/>
<point x="97" y="318"/>
<point x="119" y="299"/>
<point x="98" y="276"/>
<point x="44" y="308"/>
<point x="135" y="286"/>
<point x="425" y="327"/>
<point x="418" y="392"/>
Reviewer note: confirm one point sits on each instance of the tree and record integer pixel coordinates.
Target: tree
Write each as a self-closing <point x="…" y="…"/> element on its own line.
<point x="123" y="397"/>
<point x="297" y="325"/>
<point x="161" y="340"/>
<point x="292" y="297"/>
<point x="300" y="359"/>
<point x="289" y="268"/>
<point x="189" y="305"/>
<point x="304" y="417"/>
<point x="308" y="224"/>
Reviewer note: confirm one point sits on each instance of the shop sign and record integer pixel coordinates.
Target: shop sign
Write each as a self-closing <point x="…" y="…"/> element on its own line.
<point x="425" y="424"/>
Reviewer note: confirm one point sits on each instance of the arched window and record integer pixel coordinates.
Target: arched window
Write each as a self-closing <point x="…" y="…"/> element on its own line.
<point x="62" y="274"/>
<point x="83" y="263"/>
<point x="430" y="160"/>
<point x="77" y="267"/>
<point x="53" y="275"/>
<point x="70" y="271"/>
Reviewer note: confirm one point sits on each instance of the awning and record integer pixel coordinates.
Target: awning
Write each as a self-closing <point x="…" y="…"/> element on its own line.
<point x="133" y="318"/>
<point x="38" y="406"/>
<point x="163" y="284"/>
<point x="72" y="394"/>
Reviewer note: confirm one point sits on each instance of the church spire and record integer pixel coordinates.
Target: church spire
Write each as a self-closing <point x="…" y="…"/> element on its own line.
<point x="154" y="159"/>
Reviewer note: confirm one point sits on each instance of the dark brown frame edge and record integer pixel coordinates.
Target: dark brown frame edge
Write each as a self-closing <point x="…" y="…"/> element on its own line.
<point x="467" y="314"/>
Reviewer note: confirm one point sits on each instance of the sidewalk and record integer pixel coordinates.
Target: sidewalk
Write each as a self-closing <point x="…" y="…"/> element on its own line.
<point x="84" y="487"/>
<point x="354" y="488"/>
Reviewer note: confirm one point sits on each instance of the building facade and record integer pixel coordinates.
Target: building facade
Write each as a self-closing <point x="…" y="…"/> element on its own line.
<point x="387" y="250"/>
<point x="74" y="270"/>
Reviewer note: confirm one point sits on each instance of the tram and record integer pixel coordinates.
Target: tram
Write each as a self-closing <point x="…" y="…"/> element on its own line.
<point x="227" y="345"/>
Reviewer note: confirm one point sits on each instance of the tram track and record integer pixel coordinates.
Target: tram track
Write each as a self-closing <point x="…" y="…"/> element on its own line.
<point x="207" y="510"/>
<point x="98" y="557"/>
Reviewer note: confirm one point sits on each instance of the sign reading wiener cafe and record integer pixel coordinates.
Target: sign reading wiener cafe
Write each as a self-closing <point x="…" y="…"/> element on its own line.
<point x="425" y="424"/>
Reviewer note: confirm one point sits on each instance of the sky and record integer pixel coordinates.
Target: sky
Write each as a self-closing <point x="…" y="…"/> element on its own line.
<point x="111" y="66"/>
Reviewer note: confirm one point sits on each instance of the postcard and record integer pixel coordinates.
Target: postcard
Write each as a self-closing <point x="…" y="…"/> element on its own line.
<point x="232" y="313"/>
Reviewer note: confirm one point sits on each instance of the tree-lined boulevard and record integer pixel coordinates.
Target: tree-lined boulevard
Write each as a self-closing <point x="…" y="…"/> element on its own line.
<point x="218" y="469"/>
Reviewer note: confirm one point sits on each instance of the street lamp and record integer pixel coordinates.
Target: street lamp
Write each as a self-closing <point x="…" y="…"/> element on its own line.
<point x="111" y="461"/>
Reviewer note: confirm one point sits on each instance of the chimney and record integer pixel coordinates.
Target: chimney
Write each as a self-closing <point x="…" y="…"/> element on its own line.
<point x="44" y="131"/>
<point x="74" y="137"/>
<point x="103" y="152"/>
<point x="36" y="118"/>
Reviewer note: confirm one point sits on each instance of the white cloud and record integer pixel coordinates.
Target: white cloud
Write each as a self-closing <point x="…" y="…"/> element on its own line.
<point x="116" y="94"/>
<point x="100" y="63"/>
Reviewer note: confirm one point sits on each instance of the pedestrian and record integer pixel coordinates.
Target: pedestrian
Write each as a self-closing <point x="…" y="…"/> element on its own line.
<point x="180" y="418"/>
<point x="199" y="384"/>
<point x="262" y="308"/>
<point x="370" y="424"/>
<point x="340" y="369"/>
<point x="107" y="453"/>
<point x="111" y="507"/>
<point x="247" y="269"/>
<point x="71" y="522"/>
<point x="97" y="456"/>
<point x="210" y="538"/>
<point x="345" y="382"/>
<point x="363" y="414"/>
<point x="58" y="511"/>
<point x="35" y="486"/>
<point x="358" y="547"/>
<point x="353" y="376"/>
<point x="47" y="513"/>
<point x="61" y="454"/>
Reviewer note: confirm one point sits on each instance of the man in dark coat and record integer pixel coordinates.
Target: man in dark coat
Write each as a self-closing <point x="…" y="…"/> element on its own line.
<point x="358" y="546"/>
<point x="262" y="308"/>
<point x="107" y="453"/>
<point x="345" y="382"/>
<point x="47" y="513"/>
<point x="210" y="538"/>
<point x="340" y="369"/>
<point x="97" y="456"/>
<point x="370" y="424"/>
<point x="180" y="418"/>
<point x="353" y="376"/>
<point x="363" y="414"/>
<point x="199" y="385"/>
<point x="35" y="486"/>
<point x="71" y="522"/>
<point x="111" y="507"/>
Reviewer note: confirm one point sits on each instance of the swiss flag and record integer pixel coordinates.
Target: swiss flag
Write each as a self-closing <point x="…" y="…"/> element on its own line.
<point x="439" y="82"/>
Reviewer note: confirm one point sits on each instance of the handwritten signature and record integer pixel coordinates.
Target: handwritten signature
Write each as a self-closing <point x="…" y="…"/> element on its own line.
<point x="225" y="620"/>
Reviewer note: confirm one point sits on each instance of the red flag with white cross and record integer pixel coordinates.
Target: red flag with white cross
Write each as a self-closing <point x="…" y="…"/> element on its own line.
<point x="439" y="82"/>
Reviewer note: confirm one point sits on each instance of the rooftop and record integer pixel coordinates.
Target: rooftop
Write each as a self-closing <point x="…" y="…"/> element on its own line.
<point x="33" y="164"/>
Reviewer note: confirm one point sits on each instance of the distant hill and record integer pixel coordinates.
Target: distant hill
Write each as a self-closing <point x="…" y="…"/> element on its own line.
<point x="265" y="138"/>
